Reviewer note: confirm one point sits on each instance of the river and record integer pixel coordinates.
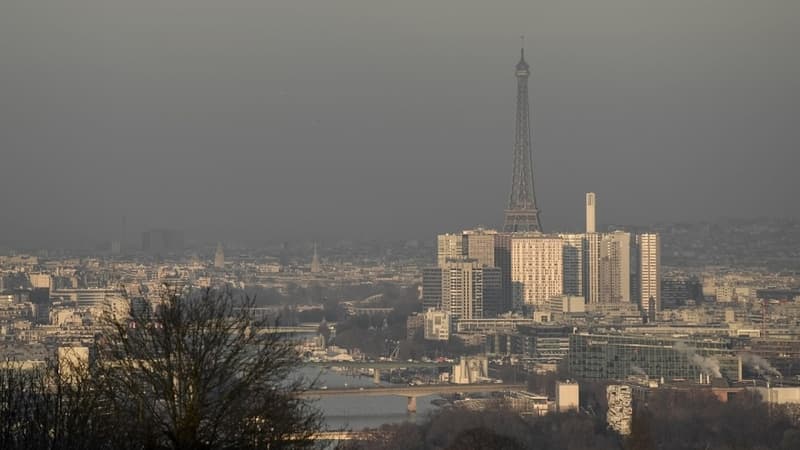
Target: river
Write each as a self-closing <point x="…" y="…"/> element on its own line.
<point x="356" y="413"/>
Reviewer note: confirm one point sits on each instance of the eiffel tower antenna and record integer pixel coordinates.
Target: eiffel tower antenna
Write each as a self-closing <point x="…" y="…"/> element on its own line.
<point x="522" y="213"/>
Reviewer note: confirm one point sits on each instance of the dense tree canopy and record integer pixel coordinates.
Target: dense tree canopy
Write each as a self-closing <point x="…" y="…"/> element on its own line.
<point x="666" y="420"/>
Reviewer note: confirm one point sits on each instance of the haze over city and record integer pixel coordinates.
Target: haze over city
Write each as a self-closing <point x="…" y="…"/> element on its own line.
<point x="299" y="119"/>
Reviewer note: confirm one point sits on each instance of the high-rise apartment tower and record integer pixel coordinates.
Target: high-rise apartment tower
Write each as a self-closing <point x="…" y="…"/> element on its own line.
<point x="649" y="272"/>
<point x="615" y="267"/>
<point x="465" y="289"/>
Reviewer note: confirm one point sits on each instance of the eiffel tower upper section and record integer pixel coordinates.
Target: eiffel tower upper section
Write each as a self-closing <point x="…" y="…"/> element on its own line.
<point x="522" y="214"/>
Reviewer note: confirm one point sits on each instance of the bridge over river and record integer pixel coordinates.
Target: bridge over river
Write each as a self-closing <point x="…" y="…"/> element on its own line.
<point x="378" y="366"/>
<point x="381" y="364"/>
<point x="412" y="392"/>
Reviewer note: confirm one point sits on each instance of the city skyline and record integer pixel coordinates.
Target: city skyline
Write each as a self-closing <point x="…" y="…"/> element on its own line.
<point x="292" y="224"/>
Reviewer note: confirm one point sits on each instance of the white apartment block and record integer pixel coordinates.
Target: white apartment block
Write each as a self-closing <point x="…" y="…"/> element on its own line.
<point x="536" y="269"/>
<point x="462" y="289"/>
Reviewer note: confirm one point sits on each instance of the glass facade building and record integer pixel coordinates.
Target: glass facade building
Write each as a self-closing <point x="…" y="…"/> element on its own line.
<point x="609" y="356"/>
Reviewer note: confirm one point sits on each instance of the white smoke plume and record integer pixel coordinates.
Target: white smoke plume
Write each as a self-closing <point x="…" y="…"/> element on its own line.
<point x="760" y="365"/>
<point x="636" y="370"/>
<point x="709" y="365"/>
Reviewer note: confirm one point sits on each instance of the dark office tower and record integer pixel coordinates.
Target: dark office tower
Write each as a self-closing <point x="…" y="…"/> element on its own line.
<point x="522" y="214"/>
<point x="285" y="254"/>
<point x="431" y="288"/>
<point x="118" y="245"/>
<point x="502" y="258"/>
<point x="41" y="298"/>
<point x="492" y="291"/>
<point x="574" y="254"/>
<point x="677" y="290"/>
<point x="122" y="234"/>
<point x="162" y="242"/>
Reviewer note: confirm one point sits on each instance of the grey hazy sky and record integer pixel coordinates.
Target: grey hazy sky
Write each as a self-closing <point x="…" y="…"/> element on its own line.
<point x="273" y="119"/>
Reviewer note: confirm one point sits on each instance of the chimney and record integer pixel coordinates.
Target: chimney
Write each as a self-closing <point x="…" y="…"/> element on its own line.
<point x="591" y="204"/>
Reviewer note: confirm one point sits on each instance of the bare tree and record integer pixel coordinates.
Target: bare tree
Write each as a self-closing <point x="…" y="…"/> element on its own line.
<point x="200" y="370"/>
<point x="46" y="408"/>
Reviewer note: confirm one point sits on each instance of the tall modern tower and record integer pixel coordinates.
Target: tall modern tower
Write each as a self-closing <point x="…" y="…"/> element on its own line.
<point x="522" y="214"/>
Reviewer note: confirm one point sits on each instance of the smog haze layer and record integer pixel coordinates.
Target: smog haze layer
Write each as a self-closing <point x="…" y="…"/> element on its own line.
<point x="288" y="119"/>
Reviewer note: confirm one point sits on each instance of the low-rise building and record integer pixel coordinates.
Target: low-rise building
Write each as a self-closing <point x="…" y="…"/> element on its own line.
<point x="567" y="396"/>
<point x="438" y="324"/>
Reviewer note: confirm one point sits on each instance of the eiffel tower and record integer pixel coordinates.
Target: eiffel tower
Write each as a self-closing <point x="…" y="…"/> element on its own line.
<point x="522" y="214"/>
